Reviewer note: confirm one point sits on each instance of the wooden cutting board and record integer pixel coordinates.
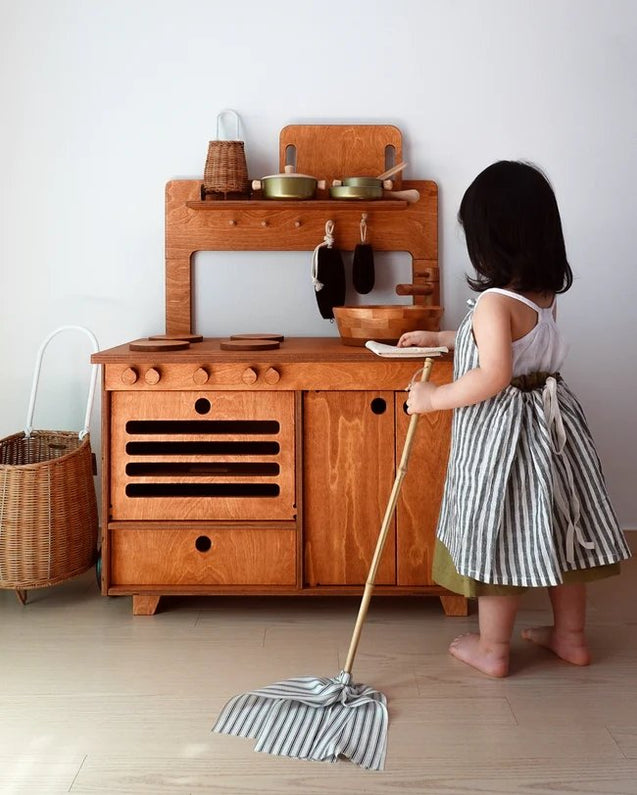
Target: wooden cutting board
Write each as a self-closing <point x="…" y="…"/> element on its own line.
<point x="334" y="151"/>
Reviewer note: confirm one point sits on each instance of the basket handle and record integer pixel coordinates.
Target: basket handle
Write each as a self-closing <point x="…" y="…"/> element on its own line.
<point x="236" y="118"/>
<point x="36" y="377"/>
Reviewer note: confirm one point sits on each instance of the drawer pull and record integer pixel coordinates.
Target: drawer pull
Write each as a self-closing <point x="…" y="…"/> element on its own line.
<point x="378" y="405"/>
<point x="129" y="376"/>
<point x="203" y="544"/>
<point x="152" y="376"/>
<point x="202" y="405"/>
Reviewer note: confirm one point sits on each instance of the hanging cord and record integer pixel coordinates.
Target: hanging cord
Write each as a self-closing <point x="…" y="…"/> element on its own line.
<point x="328" y="241"/>
<point x="363" y="226"/>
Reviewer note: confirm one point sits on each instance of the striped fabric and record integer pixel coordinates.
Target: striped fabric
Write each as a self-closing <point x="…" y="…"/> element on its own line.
<point x="319" y="719"/>
<point x="525" y="498"/>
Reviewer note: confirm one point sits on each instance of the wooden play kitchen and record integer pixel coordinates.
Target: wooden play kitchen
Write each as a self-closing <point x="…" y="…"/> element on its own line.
<point x="264" y="466"/>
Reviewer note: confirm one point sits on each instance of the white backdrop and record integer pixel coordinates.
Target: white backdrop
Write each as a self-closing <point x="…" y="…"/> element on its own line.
<point x="104" y="102"/>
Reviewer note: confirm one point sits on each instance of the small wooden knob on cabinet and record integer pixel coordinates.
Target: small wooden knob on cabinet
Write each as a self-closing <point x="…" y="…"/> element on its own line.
<point x="272" y="375"/>
<point x="152" y="376"/>
<point x="249" y="376"/>
<point x="129" y="376"/>
<point x="200" y="376"/>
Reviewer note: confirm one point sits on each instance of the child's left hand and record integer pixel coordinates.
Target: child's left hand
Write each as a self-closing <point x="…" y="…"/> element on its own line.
<point x="420" y="397"/>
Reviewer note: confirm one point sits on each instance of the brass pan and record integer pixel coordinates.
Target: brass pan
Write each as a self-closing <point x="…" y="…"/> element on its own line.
<point x="364" y="192"/>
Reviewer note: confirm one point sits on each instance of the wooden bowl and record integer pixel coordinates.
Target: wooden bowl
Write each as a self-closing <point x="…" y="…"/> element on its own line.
<point x="384" y="323"/>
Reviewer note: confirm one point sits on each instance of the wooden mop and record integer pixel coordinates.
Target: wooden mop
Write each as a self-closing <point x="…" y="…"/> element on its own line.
<point x="324" y="719"/>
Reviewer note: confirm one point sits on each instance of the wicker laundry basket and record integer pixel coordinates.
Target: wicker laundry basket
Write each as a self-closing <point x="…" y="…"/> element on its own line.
<point x="48" y="507"/>
<point x="226" y="170"/>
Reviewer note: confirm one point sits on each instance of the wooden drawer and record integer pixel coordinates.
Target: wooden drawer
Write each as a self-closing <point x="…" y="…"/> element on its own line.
<point x="190" y="556"/>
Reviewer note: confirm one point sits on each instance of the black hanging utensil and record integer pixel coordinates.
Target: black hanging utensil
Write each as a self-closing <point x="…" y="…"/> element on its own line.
<point x="328" y="274"/>
<point x="363" y="273"/>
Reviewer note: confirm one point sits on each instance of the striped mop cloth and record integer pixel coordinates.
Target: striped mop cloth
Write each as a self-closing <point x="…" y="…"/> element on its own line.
<point x="319" y="719"/>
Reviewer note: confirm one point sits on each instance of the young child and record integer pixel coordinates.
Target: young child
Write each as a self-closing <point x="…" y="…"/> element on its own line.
<point x="525" y="504"/>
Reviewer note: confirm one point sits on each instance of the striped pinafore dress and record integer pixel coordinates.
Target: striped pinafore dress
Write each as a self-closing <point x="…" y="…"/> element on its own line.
<point x="525" y="503"/>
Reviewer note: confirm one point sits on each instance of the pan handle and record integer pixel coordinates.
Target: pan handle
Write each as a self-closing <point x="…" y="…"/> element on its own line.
<point x="391" y="171"/>
<point x="410" y="196"/>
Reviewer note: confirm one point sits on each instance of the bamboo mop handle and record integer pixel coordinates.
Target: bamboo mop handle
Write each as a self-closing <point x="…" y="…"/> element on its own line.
<point x="384" y="528"/>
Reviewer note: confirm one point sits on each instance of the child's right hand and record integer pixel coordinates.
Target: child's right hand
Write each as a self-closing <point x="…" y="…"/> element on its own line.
<point x="419" y="339"/>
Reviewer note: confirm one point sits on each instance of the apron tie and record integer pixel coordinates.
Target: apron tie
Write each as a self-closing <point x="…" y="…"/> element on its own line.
<point x="569" y="508"/>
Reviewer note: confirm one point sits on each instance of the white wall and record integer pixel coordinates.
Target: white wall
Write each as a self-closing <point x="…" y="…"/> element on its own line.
<point x="103" y="102"/>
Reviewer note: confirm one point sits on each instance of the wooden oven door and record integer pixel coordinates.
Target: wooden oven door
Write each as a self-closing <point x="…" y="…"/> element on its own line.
<point x="202" y="456"/>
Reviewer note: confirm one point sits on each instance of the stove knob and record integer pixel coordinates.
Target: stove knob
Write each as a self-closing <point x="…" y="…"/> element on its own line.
<point x="249" y="376"/>
<point x="272" y="375"/>
<point x="152" y="376"/>
<point x="200" y="376"/>
<point x="129" y="376"/>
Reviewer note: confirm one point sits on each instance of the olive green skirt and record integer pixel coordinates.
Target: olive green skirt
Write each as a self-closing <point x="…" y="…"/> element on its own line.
<point x="445" y="574"/>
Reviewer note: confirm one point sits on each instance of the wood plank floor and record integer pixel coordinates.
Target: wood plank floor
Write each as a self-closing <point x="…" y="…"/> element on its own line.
<point x="94" y="700"/>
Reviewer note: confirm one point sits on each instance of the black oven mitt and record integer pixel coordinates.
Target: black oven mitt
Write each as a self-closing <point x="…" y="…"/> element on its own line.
<point x="328" y="274"/>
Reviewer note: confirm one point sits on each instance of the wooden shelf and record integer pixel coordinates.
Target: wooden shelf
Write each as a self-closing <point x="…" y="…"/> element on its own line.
<point x="283" y="204"/>
<point x="193" y="224"/>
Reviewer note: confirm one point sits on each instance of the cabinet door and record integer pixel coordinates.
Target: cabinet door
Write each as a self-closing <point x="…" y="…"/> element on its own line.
<point x="203" y="455"/>
<point x="421" y="493"/>
<point x="348" y="454"/>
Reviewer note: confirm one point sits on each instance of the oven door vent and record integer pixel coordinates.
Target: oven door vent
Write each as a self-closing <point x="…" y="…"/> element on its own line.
<point x="170" y="463"/>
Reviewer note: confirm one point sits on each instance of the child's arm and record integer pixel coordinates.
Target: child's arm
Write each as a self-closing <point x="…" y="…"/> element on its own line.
<point x="428" y="339"/>
<point x="492" y="332"/>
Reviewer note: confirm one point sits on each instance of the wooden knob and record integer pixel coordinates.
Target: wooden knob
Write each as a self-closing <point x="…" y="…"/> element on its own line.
<point x="249" y="376"/>
<point x="200" y="376"/>
<point x="272" y="375"/>
<point x="129" y="376"/>
<point x="152" y="376"/>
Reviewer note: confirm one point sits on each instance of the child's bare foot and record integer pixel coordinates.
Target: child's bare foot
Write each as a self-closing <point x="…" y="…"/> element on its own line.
<point x="571" y="647"/>
<point x="470" y="649"/>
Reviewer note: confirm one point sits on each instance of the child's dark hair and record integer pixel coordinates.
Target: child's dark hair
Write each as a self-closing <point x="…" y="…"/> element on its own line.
<point x="513" y="230"/>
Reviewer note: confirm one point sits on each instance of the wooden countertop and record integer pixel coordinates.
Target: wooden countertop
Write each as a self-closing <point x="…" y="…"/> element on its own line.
<point x="292" y="349"/>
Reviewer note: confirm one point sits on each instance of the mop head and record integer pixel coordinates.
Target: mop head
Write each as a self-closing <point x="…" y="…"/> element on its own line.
<point x="319" y="719"/>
